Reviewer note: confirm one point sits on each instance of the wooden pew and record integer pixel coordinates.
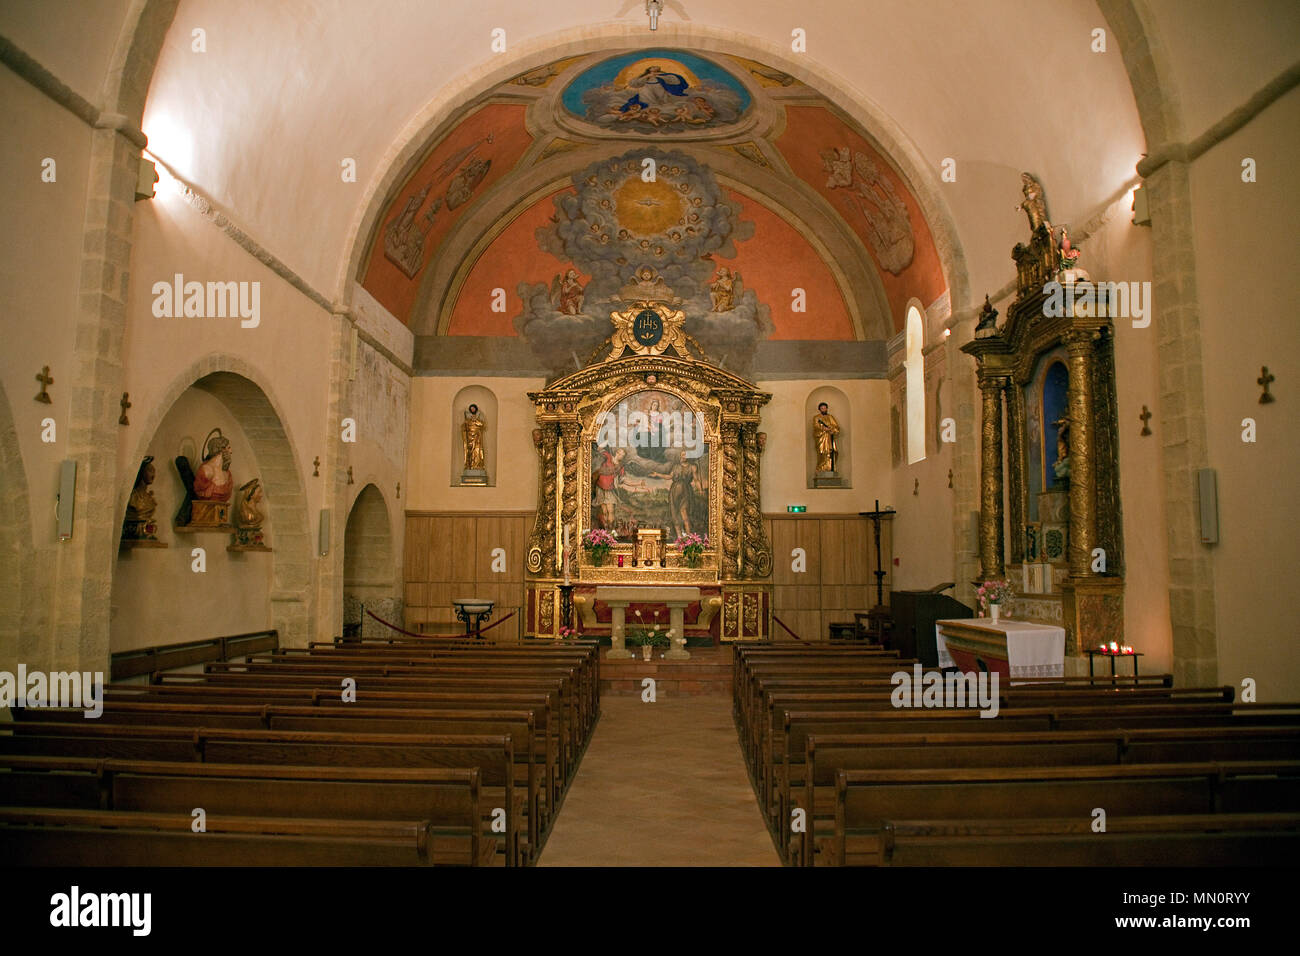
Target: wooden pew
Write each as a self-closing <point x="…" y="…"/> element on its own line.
<point x="34" y="836"/>
<point x="867" y="799"/>
<point x="492" y="755"/>
<point x="1227" y="839"/>
<point x="533" y="755"/>
<point x="813" y="789"/>
<point x="448" y="799"/>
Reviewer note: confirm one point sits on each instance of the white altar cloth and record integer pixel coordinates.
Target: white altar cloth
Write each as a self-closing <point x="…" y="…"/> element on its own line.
<point x="1033" y="650"/>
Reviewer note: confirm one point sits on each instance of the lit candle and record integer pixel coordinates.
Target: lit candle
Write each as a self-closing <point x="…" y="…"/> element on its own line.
<point x="566" y="554"/>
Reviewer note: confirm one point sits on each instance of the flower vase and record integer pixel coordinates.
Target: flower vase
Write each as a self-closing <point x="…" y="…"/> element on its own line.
<point x="646" y="651"/>
<point x="993" y="611"/>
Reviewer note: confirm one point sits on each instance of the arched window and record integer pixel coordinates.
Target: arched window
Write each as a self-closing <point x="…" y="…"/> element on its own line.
<point x="914" y="363"/>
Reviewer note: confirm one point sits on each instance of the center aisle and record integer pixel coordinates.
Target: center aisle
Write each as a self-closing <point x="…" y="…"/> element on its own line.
<point x="661" y="784"/>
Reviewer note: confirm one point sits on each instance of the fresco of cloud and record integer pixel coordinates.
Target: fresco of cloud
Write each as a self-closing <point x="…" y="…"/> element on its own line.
<point x="615" y="223"/>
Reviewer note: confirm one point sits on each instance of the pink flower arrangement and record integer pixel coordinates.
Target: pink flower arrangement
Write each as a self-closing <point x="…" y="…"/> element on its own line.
<point x="597" y="543"/>
<point x="692" y="546"/>
<point x="598" y="538"/>
<point x="993" y="592"/>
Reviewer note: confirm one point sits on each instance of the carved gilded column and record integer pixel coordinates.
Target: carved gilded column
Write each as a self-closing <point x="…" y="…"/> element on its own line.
<point x="541" y="549"/>
<point x="1083" y="463"/>
<point x="570" y="435"/>
<point x="991" y="543"/>
<point x="757" y="552"/>
<point x="730" y="501"/>
<point x="1015" y="399"/>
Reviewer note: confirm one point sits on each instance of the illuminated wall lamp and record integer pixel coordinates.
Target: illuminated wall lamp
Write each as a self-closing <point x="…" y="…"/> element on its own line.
<point x="653" y="8"/>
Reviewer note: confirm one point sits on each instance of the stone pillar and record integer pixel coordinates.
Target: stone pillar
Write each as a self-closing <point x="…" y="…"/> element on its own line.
<point x="677" y="632"/>
<point x="991" y="543"/>
<point x="1083" y="470"/>
<point x="617" y="630"/>
<point x="83" y="574"/>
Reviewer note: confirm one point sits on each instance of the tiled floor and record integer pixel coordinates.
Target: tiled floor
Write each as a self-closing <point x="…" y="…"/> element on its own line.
<point x="661" y="784"/>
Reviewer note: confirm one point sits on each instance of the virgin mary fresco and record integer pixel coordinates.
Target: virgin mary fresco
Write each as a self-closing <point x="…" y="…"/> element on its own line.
<point x="661" y="93"/>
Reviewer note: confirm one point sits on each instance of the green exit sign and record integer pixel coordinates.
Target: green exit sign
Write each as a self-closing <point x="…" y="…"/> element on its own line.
<point x="796" y="509"/>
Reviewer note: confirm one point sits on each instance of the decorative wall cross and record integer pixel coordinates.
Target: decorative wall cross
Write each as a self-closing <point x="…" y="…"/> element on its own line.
<point x="949" y="477"/>
<point x="1146" y="417"/>
<point x="46" y="382"/>
<point x="399" y="489"/>
<point x="350" y="481"/>
<point x="916" y="488"/>
<point x="315" y="466"/>
<point x="1264" y="379"/>
<point x="125" y="403"/>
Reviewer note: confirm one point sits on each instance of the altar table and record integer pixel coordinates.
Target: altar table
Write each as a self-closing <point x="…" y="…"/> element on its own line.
<point x="1013" y="649"/>
<point x="676" y="598"/>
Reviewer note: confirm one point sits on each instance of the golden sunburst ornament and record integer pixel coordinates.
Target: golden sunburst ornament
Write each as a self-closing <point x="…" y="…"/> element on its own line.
<point x="647" y="209"/>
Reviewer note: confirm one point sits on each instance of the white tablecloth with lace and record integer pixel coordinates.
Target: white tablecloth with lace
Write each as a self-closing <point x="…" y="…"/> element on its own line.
<point x="1033" y="650"/>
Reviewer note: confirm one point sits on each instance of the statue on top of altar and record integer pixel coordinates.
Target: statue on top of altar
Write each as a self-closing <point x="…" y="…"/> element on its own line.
<point x="1035" y="202"/>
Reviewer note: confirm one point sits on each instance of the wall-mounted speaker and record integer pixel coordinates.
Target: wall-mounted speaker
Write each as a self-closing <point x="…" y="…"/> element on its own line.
<point x="67" y="497"/>
<point x="1208" y="493"/>
<point x="324" y="532"/>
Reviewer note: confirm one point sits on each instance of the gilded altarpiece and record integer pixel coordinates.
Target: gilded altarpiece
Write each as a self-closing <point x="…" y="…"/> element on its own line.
<point x="1063" y="471"/>
<point x="651" y="438"/>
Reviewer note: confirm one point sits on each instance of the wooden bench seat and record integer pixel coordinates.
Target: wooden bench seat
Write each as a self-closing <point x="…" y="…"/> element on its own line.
<point x="1228" y="839"/>
<point x="867" y="799"/>
<point x="34" y="836"/>
<point x="492" y="755"/>
<point x="449" y="799"/>
<point x="810" y="784"/>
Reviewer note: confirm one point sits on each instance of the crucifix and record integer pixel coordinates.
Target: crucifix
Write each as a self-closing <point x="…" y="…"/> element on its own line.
<point x="875" y="517"/>
<point x="1264" y="379"/>
<point x="1146" y="417"/>
<point x="46" y="382"/>
<point x="125" y="403"/>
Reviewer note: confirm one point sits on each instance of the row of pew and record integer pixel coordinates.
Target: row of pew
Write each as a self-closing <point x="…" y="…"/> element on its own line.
<point x="416" y="752"/>
<point x="1074" y="771"/>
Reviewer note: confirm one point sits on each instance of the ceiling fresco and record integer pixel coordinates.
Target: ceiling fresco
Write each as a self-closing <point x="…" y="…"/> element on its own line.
<point x="656" y="93"/>
<point x="722" y="186"/>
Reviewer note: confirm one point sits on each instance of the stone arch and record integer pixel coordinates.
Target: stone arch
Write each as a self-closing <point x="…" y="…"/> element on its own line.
<point x="369" y="568"/>
<point x="243" y="391"/>
<point x="443" y="109"/>
<point x="19" y="631"/>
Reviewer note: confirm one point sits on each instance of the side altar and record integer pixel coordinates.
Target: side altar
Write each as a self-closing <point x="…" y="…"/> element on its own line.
<point x="656" y="445"/>
<point x="1049" y="372"/>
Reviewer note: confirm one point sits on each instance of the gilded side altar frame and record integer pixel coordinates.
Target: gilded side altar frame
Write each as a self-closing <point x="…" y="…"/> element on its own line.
<point x="1092" y="601"/>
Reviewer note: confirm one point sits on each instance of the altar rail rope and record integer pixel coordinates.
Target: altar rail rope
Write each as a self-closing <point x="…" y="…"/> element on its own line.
<point x="477" y="632"/>
<point x="786" y="628"/>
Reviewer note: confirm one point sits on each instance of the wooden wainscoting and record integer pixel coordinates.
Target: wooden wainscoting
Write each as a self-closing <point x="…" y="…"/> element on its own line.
<point x="838" y="581"/>
<point x="449" y="555"/>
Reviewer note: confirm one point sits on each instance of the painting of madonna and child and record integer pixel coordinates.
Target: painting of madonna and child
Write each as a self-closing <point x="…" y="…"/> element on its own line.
<point x="650" y="468"/>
